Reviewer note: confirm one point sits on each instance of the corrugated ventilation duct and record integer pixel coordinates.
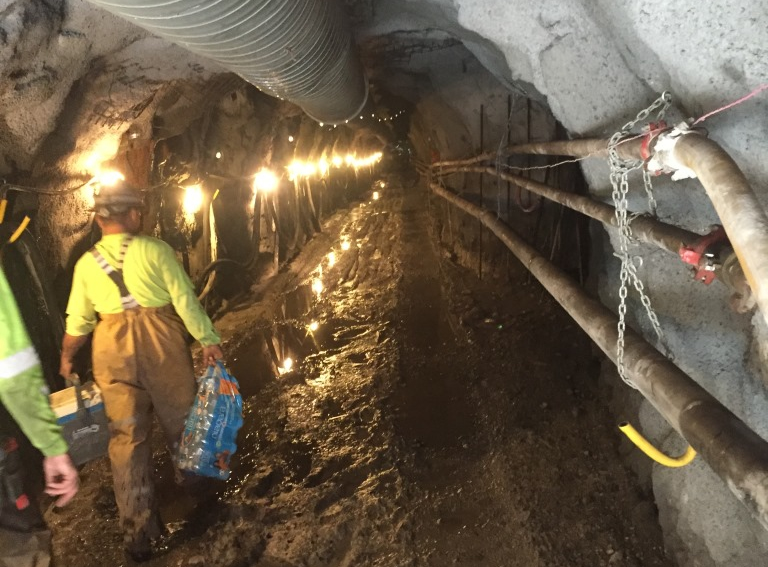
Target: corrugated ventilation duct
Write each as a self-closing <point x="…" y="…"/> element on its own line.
<point x="298" y="50"/>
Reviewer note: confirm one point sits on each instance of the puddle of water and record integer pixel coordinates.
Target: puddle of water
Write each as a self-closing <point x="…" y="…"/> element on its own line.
<point x="318" y="344"/>
<point x="253" y="364"/>
<point x="304" y="336"/>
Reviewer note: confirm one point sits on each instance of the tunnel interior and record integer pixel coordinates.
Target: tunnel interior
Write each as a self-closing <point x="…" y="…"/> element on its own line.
<point x="413" y="392"/>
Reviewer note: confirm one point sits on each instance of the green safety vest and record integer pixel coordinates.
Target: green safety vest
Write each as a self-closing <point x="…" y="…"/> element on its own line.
<point x="16" y="351"/>
<point x="22" y="387"/>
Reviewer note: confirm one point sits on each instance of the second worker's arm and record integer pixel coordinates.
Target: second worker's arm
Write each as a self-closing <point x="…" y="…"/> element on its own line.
<point x="69" y="348"/>
<point x="187" y="306"/>
<point x="81" y="320"/>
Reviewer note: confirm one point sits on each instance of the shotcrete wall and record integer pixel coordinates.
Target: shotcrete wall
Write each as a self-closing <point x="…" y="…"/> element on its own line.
<point x="597" y="64"/>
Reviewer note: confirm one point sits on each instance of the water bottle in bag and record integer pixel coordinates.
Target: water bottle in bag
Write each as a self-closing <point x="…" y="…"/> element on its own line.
<point x="210" y="434"/>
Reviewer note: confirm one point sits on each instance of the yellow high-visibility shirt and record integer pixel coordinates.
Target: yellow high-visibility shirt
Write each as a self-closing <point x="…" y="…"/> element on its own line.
<point x="22" y="385"/>
<point x="152" y="275"/>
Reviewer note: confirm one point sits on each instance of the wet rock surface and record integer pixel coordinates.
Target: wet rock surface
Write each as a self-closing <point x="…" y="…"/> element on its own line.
<point x="428" y="419"/>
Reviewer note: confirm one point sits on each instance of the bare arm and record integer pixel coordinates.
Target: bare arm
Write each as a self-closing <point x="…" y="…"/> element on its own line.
<point x="69" y="347"/>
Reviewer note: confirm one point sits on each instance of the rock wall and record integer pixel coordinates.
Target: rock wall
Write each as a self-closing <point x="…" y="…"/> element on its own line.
<point x="74" y="80"/>
<point x="596" y="64"/>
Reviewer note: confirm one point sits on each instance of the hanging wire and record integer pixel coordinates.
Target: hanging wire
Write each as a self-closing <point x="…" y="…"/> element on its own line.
<point x="755" y="92"/>
<point x="25" y="189"/>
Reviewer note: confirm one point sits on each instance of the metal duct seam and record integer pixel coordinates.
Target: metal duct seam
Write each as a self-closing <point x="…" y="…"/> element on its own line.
<point x="298" y="50"/>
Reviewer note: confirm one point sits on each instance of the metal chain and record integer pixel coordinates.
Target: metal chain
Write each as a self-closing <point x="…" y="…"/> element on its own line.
<point x="649" y="191"/>
<point x="620" y="169"/>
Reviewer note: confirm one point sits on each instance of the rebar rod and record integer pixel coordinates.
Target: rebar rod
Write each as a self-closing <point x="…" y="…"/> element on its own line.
<point x="509" y="139"/>
<point x="647" y="229"/>
<point x="480" y="225"/>
<point x="578" y="148"/>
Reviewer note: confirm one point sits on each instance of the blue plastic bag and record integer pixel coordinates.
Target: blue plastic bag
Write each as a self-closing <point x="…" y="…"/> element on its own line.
<point x="210" y="434"/>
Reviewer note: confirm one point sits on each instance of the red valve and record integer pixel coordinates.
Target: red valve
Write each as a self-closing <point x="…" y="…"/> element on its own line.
<point x="652" y="130"/>
<point x="704" y="254"/>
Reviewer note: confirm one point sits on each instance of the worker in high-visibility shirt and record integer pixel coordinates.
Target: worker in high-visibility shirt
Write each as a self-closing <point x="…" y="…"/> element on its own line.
<point x="24" y="540"/>
<point x="141" y="360"/>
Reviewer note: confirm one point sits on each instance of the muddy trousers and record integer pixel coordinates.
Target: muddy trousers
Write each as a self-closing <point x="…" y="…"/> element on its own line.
<point x="142" y="363"/>
<point x="24" y="539"/>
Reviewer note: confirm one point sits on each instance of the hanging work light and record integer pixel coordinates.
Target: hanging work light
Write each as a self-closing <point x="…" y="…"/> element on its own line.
<point x="193" y="199"/>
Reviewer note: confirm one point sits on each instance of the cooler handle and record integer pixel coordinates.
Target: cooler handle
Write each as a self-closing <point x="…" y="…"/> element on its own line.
<point x="82" y="412"/>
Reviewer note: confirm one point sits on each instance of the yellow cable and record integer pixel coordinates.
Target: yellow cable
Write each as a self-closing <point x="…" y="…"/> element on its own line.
<point x="643" y="444"/>
<point x="22" y="227"/>
<point x="3" y="205"/>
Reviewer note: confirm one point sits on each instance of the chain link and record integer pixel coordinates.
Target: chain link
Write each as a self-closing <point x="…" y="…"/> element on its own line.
<point x="649" y="192"/>
<point x="620" y="170"/>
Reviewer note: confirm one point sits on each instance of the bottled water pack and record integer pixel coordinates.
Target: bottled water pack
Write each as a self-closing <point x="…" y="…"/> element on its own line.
<point x="210" y="434"/>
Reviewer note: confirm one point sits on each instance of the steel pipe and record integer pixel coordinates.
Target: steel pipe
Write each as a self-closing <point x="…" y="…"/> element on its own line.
<point x="734" y="452"/>
<point x="647" y="229"/>
<point x="742" y="215"/>
<point x="298" y="50"/>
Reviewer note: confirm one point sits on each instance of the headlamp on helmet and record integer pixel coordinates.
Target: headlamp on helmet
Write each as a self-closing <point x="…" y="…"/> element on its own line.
<point x="116" y="199"/>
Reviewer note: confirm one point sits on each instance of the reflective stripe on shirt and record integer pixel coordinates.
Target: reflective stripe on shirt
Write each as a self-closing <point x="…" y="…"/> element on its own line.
<point x="17" y="363"/>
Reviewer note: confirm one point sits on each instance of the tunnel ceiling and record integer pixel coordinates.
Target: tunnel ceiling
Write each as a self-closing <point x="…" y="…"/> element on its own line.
<point x="73" y="77"/>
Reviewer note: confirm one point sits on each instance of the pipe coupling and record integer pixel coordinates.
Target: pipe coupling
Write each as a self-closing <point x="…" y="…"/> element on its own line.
<point x="664" y="160"/>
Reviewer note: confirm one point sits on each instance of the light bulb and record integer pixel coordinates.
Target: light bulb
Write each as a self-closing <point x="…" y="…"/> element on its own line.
<point x="193" y="199"/>
<point x="109" y="177"/>
<point x="286" y="367"/>
<point x="265" y="180"/>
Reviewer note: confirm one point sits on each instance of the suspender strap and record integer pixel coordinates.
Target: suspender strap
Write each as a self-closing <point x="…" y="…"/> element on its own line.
<point x="116" y="274"/>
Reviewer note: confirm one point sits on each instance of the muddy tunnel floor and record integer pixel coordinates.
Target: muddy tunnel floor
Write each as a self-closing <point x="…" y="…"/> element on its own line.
<point x="430" y="419"/>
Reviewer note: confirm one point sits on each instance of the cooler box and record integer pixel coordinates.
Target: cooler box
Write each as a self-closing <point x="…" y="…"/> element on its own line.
<point x="83" y="421"/>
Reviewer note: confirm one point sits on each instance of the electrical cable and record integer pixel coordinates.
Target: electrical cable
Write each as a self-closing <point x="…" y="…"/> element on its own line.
<point x="24" y="189"/>
<point x="4" y="185"/>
